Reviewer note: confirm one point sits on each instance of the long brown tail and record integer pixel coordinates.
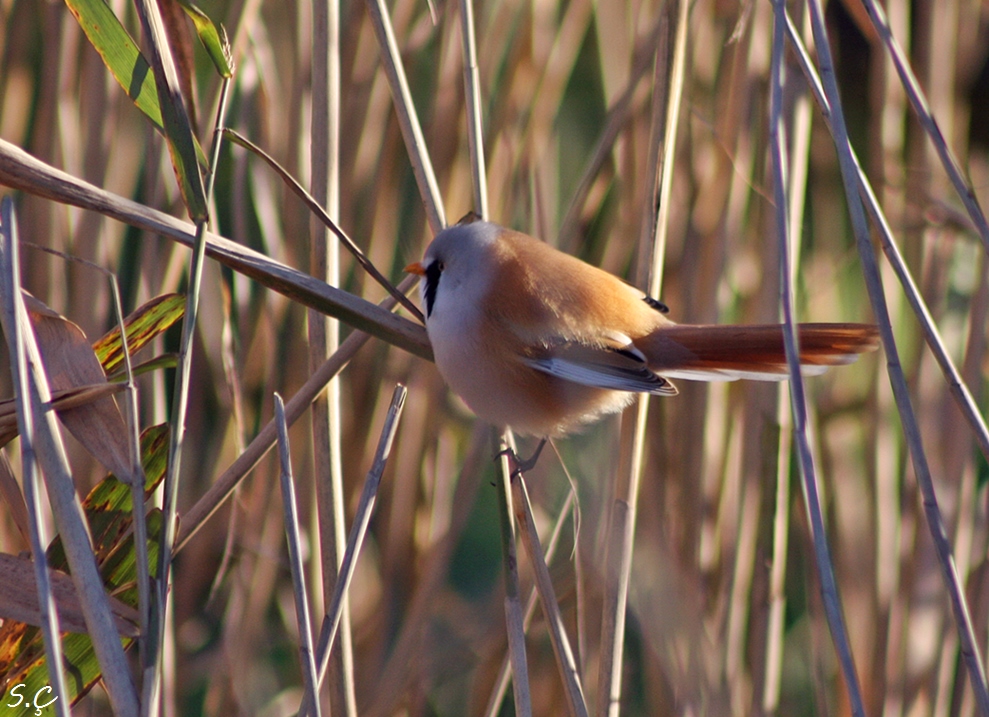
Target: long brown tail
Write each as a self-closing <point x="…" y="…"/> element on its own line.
<point x="713" y="353"/>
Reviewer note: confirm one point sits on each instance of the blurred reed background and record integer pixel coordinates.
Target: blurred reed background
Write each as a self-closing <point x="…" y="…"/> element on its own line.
<point x="566" y="92"/>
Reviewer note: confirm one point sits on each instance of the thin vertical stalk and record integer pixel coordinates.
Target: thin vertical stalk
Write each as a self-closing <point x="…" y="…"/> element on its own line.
<point x="777" y="571"/>
<point x="355" y="539"/>
<point x="799" y="153"/>
<point x="292" y="535"/>
<point x="324" y="332"/>
<point x="829" y="587"/>
<point x="668" y="92"/>
<point x="136" y="479"/>
<point x="66" y="506"/>
<point x="797" y="182"/>
<point x="544" y="585"/>
<point x="514" y="620"/>
<point x="13" y="330"/>
<point x="180" y="399"/>
<point x="513" y="603"/>
<point x="672" y="100"/>
<point x="415" y="143"/>
<point x="475" y="123"/>
<point x="504" y="673"/>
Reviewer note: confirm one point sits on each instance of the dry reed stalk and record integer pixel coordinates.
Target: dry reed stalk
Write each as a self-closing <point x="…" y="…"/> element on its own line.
<point x="324" y="335"/>
<point x="292" y="533"/>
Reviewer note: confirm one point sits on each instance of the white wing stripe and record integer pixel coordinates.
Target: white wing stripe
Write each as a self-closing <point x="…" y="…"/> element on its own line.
<point x="603" y="376"/>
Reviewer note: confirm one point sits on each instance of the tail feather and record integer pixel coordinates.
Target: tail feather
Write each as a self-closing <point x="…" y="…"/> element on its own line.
<point x="711" y="353"/>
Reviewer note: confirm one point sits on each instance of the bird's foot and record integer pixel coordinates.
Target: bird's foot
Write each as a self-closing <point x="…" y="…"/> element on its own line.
<point x="520" y="466"/>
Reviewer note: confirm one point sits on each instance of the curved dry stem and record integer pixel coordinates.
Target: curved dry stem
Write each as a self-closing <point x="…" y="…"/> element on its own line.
<point x="21" y="171"/>
<point x="969" y="645"/>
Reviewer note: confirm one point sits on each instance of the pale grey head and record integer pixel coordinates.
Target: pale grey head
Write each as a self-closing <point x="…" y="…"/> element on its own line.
<point x="456" y="273"/>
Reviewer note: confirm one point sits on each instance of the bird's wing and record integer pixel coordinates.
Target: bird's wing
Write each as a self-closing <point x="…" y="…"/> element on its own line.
<point x="610" y="367"/>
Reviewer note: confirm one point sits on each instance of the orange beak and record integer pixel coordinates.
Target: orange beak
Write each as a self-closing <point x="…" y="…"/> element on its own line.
<point x="415" y="268"/>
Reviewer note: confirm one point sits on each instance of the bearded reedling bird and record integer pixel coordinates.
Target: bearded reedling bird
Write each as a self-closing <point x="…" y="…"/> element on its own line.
<point x="538" y="341"/>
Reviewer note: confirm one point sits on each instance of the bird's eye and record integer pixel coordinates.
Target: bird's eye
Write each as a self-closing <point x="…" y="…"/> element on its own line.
<point x="440" y="266"/>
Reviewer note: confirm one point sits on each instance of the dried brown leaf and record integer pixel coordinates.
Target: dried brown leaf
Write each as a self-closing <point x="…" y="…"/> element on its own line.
<point x="70" y="363"/>
<point x="12" y="496"/>
<point x="19" y="598"/>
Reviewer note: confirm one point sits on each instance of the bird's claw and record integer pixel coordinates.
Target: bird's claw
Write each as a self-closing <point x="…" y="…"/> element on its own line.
<point x="520" y="466"/>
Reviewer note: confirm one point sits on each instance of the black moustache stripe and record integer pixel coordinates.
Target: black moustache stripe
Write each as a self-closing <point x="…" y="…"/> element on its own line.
<point x="433" y="272"/>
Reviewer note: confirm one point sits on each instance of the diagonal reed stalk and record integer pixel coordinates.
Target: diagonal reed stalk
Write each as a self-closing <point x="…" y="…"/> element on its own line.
<point x="49" y="450"/>
<point x="292" y="533"/>
<point x="971" y="656"/>
<point x="355" y="541"/>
